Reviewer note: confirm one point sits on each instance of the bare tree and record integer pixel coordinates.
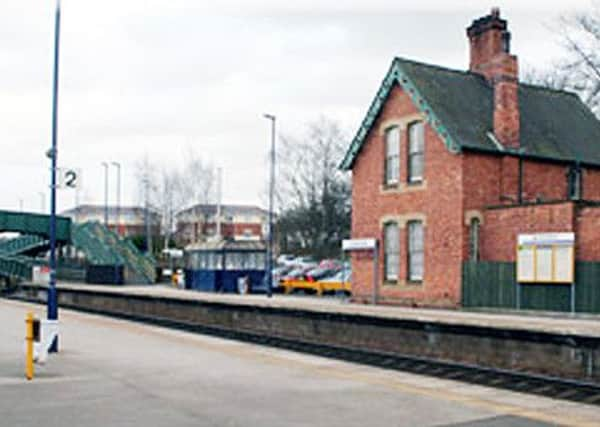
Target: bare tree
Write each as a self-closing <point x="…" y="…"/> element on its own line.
<point x="169" y="190"/>
<point x="553" y="78"/>
<point x="579" y="69"/>
<point x="314" y="195"/>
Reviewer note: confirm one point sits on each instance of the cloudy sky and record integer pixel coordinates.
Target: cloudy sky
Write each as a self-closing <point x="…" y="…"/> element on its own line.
<point x="150" y="77"/>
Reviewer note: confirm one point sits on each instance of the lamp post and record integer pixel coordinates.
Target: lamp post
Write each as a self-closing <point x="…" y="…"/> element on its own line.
<point x="105" y="165"/>
<point x="52" y="301"/>
<point x="118" y="166"/>
<point x="272" y="118"/>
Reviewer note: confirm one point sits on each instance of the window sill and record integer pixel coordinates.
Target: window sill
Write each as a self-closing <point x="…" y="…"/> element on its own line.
<point x="400" y="188"/>
<point x="418" y="283"/>
<point x="402" y="284"/>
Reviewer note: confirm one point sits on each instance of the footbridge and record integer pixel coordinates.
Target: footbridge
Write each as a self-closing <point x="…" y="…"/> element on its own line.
<point x="99" y="246"/>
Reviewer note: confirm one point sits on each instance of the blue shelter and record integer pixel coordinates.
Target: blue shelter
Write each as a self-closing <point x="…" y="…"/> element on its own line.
<point x="225" y="266"/>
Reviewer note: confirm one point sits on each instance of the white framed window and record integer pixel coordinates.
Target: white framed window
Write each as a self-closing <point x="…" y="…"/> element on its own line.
<point x="392" y="155"/>
<point x="416" y="151"/>
<point x="415" y="251"/>
<point x="391" y="251"/>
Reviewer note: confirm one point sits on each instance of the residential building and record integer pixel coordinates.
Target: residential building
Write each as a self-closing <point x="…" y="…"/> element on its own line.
<point x="450" y="166"/>
<point x="237" y="222"/>
<point x="129" y="220"/>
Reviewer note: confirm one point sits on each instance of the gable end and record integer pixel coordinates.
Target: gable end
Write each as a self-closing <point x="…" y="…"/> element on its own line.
<point x="395" y="75"/>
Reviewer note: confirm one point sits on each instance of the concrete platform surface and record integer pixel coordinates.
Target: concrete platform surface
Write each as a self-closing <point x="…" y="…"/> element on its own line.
<point x="564" y="324"/>
<point x="117" y="373"/>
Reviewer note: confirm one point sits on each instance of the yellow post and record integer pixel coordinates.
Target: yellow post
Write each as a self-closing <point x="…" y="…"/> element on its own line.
<point x="29" y="343"/>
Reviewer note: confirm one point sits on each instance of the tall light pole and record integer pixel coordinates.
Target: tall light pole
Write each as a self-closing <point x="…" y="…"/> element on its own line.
<point x="105" y="165"/>
<point x="272" y="118"/>
<point x="52" y="297"/>
<point x="118" y="166"/>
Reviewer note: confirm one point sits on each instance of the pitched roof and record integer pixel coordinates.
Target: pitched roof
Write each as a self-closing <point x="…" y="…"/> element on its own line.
<point x="555" y="125"/>
<point x="227" y="245"/>
<point x="210" y="210"/>
<point x="86" y="209"/>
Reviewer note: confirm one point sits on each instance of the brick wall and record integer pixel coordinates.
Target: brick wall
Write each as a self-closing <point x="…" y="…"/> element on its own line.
<point x="437" y="201"/>
<point x="502" y="226"/>
<point x="587" y="225"/>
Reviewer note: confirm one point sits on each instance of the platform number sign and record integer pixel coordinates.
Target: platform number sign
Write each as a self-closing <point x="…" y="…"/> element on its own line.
<point x="69" y="178"/>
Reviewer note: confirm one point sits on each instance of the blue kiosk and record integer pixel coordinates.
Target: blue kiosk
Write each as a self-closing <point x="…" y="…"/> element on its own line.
<point x="225" y="266"/>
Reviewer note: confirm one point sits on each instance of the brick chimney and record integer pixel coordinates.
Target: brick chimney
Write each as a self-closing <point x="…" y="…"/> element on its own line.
<point x="490" y="56"/>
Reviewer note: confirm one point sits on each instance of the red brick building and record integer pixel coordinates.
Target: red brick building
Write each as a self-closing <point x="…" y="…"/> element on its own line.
<point x="451" y="165"/>
<point x="238" y="222"/>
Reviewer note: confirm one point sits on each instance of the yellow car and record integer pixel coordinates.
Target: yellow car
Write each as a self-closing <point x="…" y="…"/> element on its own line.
<point x="339" y="282"/>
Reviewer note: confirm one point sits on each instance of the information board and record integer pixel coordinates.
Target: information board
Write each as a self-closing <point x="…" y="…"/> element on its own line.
<point x="546" y="258"/>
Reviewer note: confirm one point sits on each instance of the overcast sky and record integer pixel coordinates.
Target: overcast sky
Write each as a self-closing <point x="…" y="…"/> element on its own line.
<point x="155" y="77"/>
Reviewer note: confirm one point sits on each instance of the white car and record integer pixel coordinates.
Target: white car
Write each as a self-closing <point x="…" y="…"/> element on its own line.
<point x="305" y="261"/>
<point x="285" y="259"/>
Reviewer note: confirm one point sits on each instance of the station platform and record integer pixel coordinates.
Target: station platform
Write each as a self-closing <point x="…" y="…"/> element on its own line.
<point x="535" y="344"/>
<point x="583" y="325"/>
<point x="160" y="377"/>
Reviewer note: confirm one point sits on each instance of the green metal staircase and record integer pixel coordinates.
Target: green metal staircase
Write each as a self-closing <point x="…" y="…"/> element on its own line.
<point x="13" y="262"/>
<point x="23" y="244"/>
<point x="102" y="246"/>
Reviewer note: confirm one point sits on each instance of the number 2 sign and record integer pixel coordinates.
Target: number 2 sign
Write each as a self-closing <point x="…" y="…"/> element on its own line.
<point x="69" y="178"/>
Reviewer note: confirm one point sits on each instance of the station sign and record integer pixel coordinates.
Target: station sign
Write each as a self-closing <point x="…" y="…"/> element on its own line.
<point x="546" y="258"/>
<point x="359" y="244"/>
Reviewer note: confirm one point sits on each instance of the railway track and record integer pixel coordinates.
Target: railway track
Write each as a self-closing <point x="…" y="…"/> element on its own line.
<point x="548" y="386"/>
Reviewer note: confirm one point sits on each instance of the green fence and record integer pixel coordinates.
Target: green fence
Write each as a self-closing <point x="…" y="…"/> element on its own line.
<point x="493" y="285"/>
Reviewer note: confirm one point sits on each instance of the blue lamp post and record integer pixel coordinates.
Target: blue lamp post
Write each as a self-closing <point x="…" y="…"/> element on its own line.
<point x="52" y="297"/>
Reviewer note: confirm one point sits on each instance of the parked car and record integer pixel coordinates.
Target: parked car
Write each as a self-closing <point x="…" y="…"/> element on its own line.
<point x="328" y="281"/>
<point x="339" y="282"/>
<point x="319" y="273"/>
<point x="331" y="263"/>
<point x="305" y="261"/>
<point x="286" y="259"/>
<point x="278" y="273"/>
<point x="297" y="273"/>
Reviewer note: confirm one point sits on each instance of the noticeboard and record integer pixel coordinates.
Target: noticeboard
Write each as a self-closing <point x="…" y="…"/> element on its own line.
<point x="546" y="258"/>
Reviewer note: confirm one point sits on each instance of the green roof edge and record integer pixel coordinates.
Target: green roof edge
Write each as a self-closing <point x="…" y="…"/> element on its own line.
<point x="395" y="75"/>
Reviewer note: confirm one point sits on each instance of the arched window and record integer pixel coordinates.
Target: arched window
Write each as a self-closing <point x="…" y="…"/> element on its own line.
<point x="474" y="227"/>
<point x="392" y="155"/>
<point x="416" y="152"/>
<point x="391" y="249"/>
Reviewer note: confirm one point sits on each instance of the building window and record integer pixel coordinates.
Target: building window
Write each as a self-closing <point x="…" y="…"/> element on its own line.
<point x="415" y="251"/>
<point x="391" y="247"/>
<point x="392" y="155"/>
<point x="416" y="151"/>
<point x="474" y="239"/>
<point x="574" y="183"/>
